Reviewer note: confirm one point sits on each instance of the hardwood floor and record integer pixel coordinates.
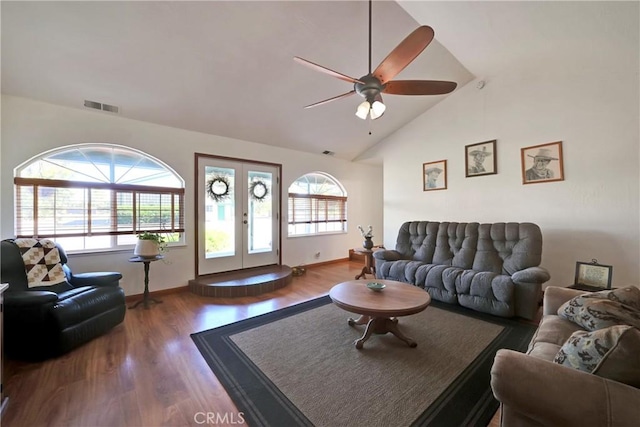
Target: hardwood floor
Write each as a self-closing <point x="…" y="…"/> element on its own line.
<point x="147" y="371"/>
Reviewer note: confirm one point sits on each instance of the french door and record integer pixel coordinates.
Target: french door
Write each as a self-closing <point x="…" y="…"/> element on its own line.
<point x="237" y="214"/>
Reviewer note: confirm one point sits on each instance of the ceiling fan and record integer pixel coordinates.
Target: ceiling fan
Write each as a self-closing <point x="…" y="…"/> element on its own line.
<point x="379" y="81"/>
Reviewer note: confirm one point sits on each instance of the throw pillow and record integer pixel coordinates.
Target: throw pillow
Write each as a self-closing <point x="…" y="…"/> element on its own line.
<point x="42" y="262"/>
<point x="599" y="310"/>
<point x="612" y="353"/>
<point x="627" y="296"/>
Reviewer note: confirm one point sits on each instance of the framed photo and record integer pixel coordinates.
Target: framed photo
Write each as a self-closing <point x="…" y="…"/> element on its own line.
<point x="434" y="175"/>
<point x="593" y="275"/>
<point x="542" y="163"/>
<point x="480" y="159"/>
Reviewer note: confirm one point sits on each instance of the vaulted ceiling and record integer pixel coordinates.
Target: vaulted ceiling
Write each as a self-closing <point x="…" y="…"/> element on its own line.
<point x="226" y="68"/>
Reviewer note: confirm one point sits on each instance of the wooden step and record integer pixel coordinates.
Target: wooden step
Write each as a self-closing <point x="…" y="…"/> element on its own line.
<point x="242" y="283"/>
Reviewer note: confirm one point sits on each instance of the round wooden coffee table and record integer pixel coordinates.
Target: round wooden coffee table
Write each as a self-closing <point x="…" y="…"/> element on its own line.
<point x="379" y="310"/>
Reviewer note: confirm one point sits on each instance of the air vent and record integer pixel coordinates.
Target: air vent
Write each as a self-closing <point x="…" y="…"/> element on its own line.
<point x="91" y="104"/>
<point x="102" y="107"/>
<point x="328" y="153"/>
<point x="109" y="108"/>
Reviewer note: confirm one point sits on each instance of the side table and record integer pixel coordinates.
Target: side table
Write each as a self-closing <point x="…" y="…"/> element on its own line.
<point x="146" y="261"/>
<point x="588" y="288"/>
<point x="369" y="264"/>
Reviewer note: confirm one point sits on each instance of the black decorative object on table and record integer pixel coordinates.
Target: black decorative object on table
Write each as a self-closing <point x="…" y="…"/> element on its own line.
<point x="145" y="297"/>
<point x="368" y="243"/>
<point x="368" y="236"/>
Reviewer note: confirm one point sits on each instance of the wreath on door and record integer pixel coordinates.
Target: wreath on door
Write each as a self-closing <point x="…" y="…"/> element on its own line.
<point x="218" y="188"/>
<point x="258" y="190"/>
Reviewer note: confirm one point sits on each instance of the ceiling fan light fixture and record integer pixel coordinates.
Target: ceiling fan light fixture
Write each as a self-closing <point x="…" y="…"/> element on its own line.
<point x="377" y="109"/>
<point x="363" y="110"/>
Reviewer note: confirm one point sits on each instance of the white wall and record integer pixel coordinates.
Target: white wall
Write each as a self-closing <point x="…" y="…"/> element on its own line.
<point x="592" y="107"/>
<point x="30" y="127"/>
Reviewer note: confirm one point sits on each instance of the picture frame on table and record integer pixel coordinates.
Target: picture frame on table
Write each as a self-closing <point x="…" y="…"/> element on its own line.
<point x="480" y="159"/>
<point x="542" y="163"/>
<point x="434" y="175"/>
<point x="593" y="276"/>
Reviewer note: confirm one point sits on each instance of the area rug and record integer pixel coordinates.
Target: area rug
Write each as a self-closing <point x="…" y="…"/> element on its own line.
<point x="299" y="366"/>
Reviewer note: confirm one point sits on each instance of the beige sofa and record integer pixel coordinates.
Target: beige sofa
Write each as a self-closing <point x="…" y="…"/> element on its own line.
<point x="535" y="391"/>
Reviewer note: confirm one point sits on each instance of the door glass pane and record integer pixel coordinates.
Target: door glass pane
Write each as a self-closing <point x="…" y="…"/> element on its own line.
<point x="219" y="212"/>
<point x="260" y="214"/>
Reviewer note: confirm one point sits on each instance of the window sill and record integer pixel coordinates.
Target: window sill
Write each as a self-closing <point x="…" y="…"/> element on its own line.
<point x="110" y="251"/>
<point x="328" y="233"/>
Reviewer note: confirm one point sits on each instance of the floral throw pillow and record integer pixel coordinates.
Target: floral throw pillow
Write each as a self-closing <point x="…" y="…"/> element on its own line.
<point x="599" y="310"/>
<point x="612" y="353"/>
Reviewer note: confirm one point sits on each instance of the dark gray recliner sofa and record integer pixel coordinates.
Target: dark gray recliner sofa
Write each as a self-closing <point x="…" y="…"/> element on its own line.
<point x="492" y="268"/>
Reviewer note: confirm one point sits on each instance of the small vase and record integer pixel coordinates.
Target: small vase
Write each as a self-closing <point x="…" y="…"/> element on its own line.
<point x="368" y="243"/>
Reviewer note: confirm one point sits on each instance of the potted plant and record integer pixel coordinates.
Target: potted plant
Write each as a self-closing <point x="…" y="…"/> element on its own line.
<point x="149" y="244"/>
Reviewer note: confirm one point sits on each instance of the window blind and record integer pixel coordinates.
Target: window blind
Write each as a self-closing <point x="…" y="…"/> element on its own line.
<point x="59" y="208"/>
<point x="316" y="209"/>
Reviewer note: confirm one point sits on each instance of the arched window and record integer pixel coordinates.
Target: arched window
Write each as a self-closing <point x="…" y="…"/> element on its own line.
<point x="97" y="197"/>
<point x="317" y="204"/>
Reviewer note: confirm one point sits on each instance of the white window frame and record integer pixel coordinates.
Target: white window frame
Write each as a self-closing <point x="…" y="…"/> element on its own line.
<point x="317" y="205"/>
<point x="125" y="193"/>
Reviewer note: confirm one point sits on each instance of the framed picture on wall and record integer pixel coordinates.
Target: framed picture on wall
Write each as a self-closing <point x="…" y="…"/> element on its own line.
<point x="480" y="159"/>
<point x="434" y="175"/>
<point x="542" y="163"/>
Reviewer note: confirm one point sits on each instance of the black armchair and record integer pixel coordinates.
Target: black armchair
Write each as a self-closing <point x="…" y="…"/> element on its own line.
<point x="47" y="321"/>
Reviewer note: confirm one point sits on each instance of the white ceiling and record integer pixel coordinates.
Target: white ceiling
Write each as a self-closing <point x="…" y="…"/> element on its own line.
<point x="226" y="68"/>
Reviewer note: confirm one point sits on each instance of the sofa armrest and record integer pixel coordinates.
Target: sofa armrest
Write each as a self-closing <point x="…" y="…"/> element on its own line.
<point x="531" y="275"/>
<point x="101" y="278"/>
<point x="553" y="394"/>
<point x="28" y="298"/>
<point x="387" y="255"/>
<point x="555" y="296"/>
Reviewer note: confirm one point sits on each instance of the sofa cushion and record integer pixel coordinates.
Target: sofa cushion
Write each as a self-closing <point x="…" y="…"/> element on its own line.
<point x="486" y="292"/>
<point x="432" y="278"/>
<point x="612" y="352"/>
<point x="82" y="304"/>
<point x="401" y="271"/>
<point x="479" y="290"/>
<point x="600" y="310"/>
<point x="552" y="330"/>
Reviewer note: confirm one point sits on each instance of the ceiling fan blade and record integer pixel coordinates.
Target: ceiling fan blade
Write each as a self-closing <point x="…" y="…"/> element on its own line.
<point x="404" y="53"/>
<point x="419" y="87"/>
<point x="344" y="95"/>
<point x="325" y="70"/>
